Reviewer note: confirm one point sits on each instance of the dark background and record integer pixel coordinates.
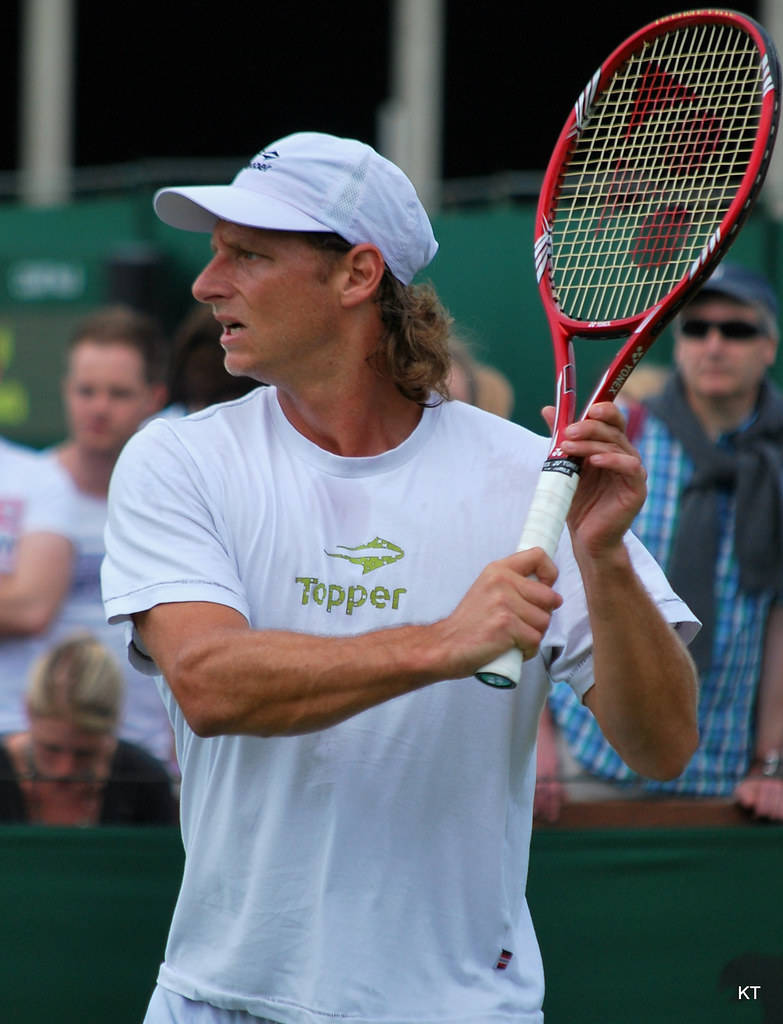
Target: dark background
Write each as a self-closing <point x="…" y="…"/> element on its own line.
<point x="209" y="79"/>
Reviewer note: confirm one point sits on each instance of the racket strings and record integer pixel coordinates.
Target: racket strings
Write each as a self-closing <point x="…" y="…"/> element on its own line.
<point x="655" y="166"/>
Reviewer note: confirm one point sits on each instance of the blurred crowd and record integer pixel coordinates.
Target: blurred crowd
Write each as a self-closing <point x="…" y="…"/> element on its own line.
<point x="709" y="430"/>
<point x="85" y="738"/>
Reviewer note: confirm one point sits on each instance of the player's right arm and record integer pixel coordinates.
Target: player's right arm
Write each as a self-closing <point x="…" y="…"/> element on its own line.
<point x="230" y="679"/>
<point x="169" y="567"/>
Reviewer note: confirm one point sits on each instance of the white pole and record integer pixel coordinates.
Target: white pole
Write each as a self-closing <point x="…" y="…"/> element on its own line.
<point x="46" y="105"/>
<point x="411" y="122"/>
<point x="771" y="17"/>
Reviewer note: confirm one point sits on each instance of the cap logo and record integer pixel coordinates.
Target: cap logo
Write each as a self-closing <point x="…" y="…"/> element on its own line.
<point x="263" y="164"/>
<point x="319" y="183"/>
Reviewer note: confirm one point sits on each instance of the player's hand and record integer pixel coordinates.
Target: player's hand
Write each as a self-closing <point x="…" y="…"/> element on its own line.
<point x="510" y="604"/>
<point x="613" y="482"/>
<point x="761" y="797"/>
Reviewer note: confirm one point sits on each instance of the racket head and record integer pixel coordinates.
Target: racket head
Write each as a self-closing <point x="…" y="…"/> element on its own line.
<point x="656" y="168"/>
<point x="648" y="184"/>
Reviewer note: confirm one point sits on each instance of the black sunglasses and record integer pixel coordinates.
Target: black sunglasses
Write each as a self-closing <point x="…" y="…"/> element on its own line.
<point x="732" y="330"/>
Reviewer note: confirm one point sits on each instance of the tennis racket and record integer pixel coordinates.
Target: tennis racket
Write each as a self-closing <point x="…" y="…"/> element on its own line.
<point x="655" y="170"/>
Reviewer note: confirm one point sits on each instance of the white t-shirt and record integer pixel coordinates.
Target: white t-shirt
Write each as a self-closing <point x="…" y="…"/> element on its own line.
<point x="144" y="721"/>
<point x="31" y="501"/>
<point x="373" y="871"/>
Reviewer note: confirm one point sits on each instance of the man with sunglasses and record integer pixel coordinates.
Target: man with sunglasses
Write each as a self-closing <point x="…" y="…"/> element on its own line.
<point x="712" y="444"/>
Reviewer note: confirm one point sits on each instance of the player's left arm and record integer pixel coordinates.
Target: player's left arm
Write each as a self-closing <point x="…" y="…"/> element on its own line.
<point x="645" y="691"/>
<point x="761" y="793"/>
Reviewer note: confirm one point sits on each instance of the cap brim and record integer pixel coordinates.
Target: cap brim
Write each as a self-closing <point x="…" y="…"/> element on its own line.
<point x="199" y="207"/>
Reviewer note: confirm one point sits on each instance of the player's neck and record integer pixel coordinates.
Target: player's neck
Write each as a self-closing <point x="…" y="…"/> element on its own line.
<point x="353" y="425"/>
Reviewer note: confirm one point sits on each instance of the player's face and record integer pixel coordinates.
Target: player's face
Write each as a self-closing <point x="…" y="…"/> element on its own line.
<point x="716" y="368"/>
<point x="275" y="297"/>
<point x="107" y="396"/>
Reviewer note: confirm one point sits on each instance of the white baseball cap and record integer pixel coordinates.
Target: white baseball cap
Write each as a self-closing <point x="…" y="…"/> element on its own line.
<point x="310" y="181"/>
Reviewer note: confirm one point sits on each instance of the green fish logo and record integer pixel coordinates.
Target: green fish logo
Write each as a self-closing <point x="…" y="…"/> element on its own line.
<point x="373" y="555"/>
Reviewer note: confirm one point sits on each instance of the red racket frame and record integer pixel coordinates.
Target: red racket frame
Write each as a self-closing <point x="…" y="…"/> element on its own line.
<point x="560" y="474"/>
<point x="643" y="328"/>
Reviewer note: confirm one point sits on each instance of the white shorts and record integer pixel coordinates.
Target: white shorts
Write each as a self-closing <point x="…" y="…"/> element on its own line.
<point x="170" y="1008"/>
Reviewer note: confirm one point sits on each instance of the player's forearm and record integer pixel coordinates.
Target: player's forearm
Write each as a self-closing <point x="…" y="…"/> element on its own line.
<point x="268" y="683"/>
<point x="229" y="678"/>
<point x="645" y="693"/>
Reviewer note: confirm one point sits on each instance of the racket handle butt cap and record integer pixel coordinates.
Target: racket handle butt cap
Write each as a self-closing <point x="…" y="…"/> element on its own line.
<point x="504" y="672"/>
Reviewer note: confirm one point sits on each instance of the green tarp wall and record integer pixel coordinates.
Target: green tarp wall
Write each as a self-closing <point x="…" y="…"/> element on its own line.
<point x="647" y="926"/>
<point x="57" y="264"/>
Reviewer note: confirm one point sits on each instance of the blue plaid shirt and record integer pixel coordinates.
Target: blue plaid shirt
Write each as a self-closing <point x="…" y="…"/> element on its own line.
<point x="728" y="689"/>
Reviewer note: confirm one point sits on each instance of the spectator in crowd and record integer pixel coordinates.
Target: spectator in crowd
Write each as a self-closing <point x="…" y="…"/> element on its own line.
<point x="356" y="806"/>
<point x="37" y="527"/>
<point x="197" y="376"/>
<point x="476" y="383"/>
<point x="117" y="360"/>
<point x="712" y="443"/>
<point x="68" y="767"/>
<point x="36" y="553"/>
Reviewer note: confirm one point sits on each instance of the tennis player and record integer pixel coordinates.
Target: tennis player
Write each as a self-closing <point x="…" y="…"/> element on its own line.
<point x="312" y="574"/>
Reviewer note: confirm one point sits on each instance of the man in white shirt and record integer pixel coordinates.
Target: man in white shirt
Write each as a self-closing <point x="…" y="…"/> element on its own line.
<point x="314" y="572"/>
<point x="114" y="380"/>
<point x="37" y="528"/>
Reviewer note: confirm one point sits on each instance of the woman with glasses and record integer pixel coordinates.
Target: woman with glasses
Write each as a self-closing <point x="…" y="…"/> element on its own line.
<point x="68" y="767"/>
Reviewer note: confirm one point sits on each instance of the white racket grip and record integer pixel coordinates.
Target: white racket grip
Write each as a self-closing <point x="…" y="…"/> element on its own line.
<point x="544" y="524"/>
<point x="548" y="511"/>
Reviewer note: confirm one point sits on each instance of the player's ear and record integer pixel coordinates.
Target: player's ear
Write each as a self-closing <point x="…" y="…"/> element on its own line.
<point x="363" y="268"/>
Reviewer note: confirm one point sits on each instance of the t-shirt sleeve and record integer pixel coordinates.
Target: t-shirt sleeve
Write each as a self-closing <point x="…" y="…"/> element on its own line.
<point x="163" y="541"/>
<point x="567" y="647"/>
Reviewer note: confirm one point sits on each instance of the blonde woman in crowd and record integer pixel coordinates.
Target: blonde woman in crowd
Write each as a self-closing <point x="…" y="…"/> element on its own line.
<point x="68" y="767"/>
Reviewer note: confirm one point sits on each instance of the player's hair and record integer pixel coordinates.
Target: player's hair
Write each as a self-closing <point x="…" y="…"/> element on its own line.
<point x="414" y="350"/>
<point x="80" y="681"/>
<point x="120" y="324"/>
